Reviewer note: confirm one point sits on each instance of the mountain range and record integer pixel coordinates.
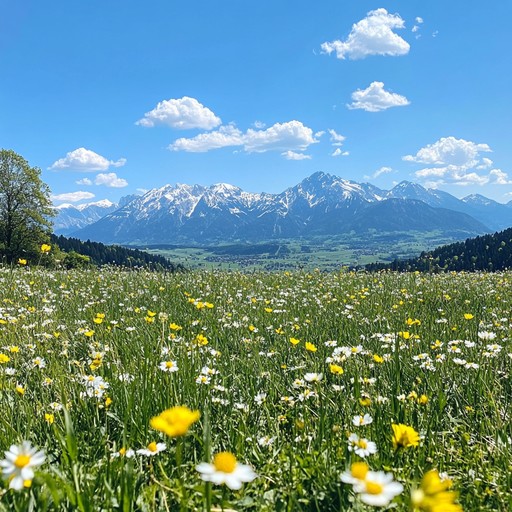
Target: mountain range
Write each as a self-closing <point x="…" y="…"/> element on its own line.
<point x="321" y="204"/>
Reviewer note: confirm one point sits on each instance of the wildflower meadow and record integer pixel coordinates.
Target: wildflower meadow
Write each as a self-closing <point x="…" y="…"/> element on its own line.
<point x="291" y="391"/>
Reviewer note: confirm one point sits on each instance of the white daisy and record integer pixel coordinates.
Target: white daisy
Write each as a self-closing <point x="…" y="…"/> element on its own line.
<point x="226" y="470"/>
<point x="17" y="467"/>
<point x="378" y="488"/>
<point x="360" y="446"/>
<point x="152" y="449"/>
<point x="360" y="421"/>
<point x="168" y="366"/>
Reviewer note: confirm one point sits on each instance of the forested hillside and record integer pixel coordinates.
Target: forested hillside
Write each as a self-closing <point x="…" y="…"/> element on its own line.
<point x="487" y="252"/>
<point x="101" y="254"/>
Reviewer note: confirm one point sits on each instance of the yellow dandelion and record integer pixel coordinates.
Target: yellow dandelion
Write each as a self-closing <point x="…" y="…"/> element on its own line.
<point x="336" y="369"/>
<point x="404" y="436"/>
<point x="175" y="421"/>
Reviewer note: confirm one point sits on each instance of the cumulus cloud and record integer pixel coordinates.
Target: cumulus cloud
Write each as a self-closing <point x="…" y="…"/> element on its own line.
<point x="455" y="161"/>
<point x="450" y="151"/>
<point x="110" y="180"/>
<point x="85" y="160"/>
<point x="292" y="155"/>
<point x="499" y="177"/>
<point x="372" y="35"/>
<point x="486" y="163"/>
<point x="416" y="27"/>
<point x="375" y="99"/>
<point x="336" y="138"/>
<point x="182" y="114"/>
<point x="290" y="136"/>
<point x="84" y="181"/>
<point x="72" y="197"/>
<point x="339" y="152"/>
<point x="225" y="136"/>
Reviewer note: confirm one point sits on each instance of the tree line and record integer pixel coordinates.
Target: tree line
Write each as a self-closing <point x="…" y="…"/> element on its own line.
<point x="101" y="254"/>
<point x="489" y="253"/>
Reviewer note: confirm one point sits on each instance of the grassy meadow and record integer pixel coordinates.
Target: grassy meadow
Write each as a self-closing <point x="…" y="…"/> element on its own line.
<point x="297" y="375"/>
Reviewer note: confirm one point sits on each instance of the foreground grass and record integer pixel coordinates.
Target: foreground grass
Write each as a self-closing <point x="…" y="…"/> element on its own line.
<point x="277" y="364"/>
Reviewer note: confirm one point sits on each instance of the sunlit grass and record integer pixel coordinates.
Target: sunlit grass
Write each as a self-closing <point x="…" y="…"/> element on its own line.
<point x="279" y="366"/>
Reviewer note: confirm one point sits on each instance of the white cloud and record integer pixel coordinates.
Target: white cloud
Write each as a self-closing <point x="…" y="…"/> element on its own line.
<point x="339" y="152"/>
<point x="419" y="20"/>
<point x="375" y="99"/>
<point x="372" y="35"/>
<point x="381" y="171"/>
<point x="486" y="163"/>
<point x="259" y="124"/>
<point x="72" y="197"/>
<point x="455" y="161"/>
<point x="450" y="151"/>
<point x="499" y="177"/>
<point x="85" y="160"/>
<point x="84" y="181"/>
<point x="181" y="114"/>
<point x="224" y="137"/>
<point x="292" y="155"/>
<point x="110" y="180"/>
<point x="336" y="138"/>
<point x="290" y="136"/>
<point x="415" y="28"/>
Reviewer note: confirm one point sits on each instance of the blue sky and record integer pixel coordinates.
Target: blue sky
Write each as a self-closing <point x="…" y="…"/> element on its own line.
<point x="111" y="98"/>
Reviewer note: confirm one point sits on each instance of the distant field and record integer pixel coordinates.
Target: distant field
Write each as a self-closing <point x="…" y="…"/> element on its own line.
<point x="325" y="253"/>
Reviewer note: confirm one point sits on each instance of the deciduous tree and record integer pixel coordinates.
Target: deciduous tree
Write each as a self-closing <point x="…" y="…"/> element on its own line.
<point x="25" y="207"/>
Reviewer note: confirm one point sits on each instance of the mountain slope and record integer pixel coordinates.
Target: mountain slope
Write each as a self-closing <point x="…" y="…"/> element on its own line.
<point x="321" y="204"/>
<point x="70" y="218"/>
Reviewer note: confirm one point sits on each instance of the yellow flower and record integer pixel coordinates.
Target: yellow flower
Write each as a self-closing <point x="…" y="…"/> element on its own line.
<point x="201" y="340"/>
<point x="378" y="359"/>
<point x="310" y="347"/>
<point x="423" y="400"/>
<point x="4" y="358"/>
<point x="336" y="369"/>
<point x="45" y="248"/>
<point x="22" y="261"/>
<point x="175" y="327"/>
<point x="175" y="421"/>
<point x="294" y="341"/>
<point x="434" y="495"/>
<point x="49" y="418"/>
<point x="404" y="436"/>
<point x="468" y="316"/>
